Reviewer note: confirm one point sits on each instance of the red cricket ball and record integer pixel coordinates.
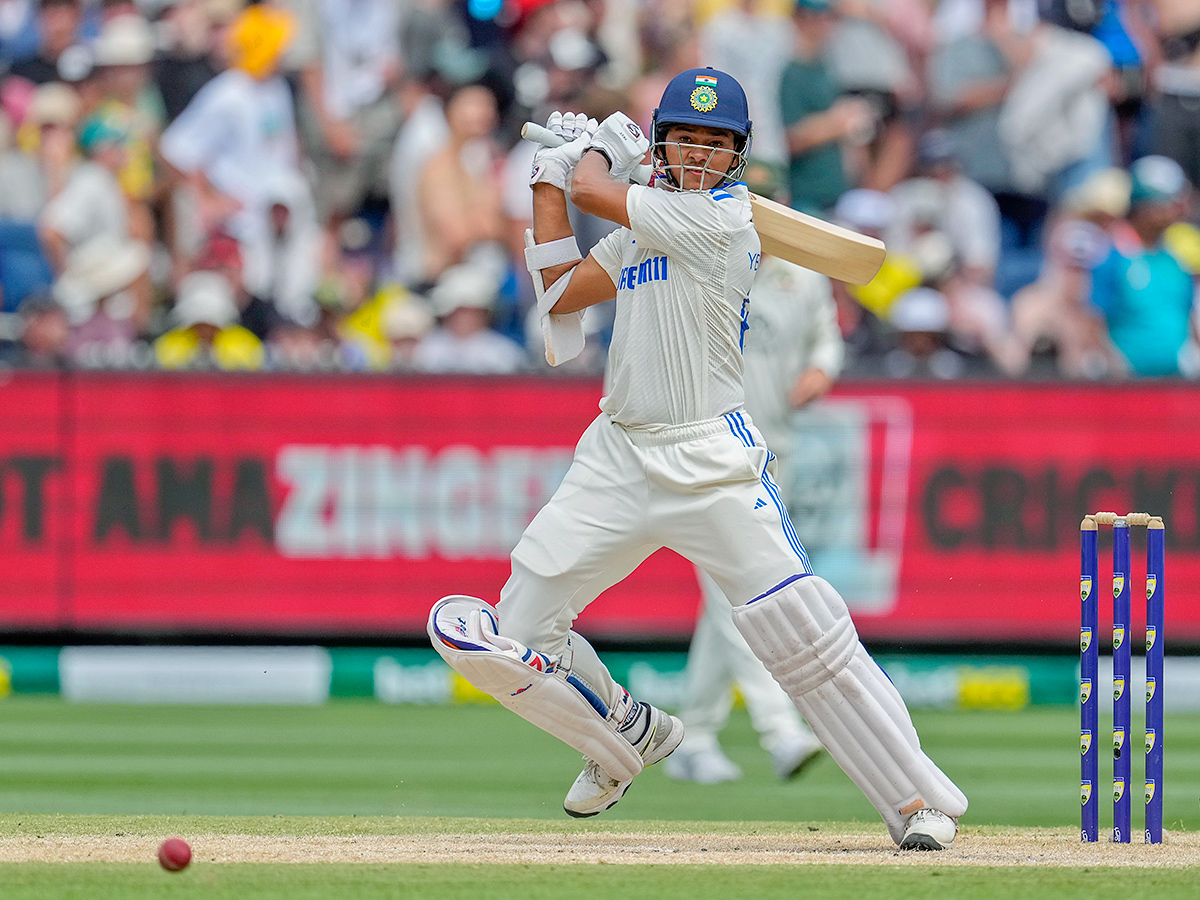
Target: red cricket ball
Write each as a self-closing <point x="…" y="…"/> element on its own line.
<point x="174" y="854"/>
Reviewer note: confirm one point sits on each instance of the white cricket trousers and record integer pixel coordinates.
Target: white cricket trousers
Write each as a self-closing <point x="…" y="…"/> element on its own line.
<point x="720" y="656"/>
<point x="701" y="489"/>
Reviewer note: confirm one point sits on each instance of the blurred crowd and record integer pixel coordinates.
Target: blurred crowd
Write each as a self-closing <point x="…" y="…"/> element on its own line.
<point x="340" y="184"/>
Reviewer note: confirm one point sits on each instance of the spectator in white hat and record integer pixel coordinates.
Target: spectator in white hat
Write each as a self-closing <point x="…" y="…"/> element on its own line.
<point x="124" y="52"/>
<point x="95" y="290"/>
<point x="863" y="308"/>
<point x="921" y="317"/>
<point x="941" y="197"/>
<point x="979" y="320"/>
<point x="464" y="341"/>
<point x="405" y="324"/>
<point x="873" y="213"/>
<point x="207" y="334"/>
<point x="1053" y="316"/>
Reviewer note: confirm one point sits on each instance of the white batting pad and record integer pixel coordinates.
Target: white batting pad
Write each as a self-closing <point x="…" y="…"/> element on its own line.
<point x="803" y="633"/>
<point x="465" y="633"/>
<point x="563" y="334"/>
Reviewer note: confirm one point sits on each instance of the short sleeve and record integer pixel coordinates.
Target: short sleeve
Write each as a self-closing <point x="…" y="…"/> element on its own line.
<point x="691" y="227"/>
<point x="607" y="252"/>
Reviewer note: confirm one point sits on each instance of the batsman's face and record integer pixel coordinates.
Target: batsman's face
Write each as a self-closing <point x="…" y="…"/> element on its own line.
<point x="699" y="157"/>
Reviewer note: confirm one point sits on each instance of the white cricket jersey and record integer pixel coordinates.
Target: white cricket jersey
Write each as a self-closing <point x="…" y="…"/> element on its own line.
<point x="683" y="272"/>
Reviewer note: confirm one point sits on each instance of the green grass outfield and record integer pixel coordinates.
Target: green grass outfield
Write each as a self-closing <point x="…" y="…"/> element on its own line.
<point x="61" y="764"/>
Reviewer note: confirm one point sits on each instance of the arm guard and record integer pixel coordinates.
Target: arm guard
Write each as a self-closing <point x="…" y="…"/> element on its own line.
<point x="563" y="333"/>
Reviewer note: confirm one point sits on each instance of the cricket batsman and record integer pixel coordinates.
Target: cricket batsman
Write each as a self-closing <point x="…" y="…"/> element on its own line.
<point x="673" y="460"/>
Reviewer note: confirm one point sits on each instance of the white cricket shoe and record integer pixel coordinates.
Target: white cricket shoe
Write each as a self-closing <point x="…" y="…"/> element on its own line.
<point x="929" y="829"/>
<point x="795" y="755"/>
<point x="703" y="765"/>
<point x="595" y="790"/>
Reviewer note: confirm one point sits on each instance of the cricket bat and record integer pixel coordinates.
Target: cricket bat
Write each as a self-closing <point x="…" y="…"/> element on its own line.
<point x="805" y="240"/>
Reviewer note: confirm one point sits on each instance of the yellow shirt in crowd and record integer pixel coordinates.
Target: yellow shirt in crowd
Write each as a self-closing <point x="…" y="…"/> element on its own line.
<point x="234" y="349"/>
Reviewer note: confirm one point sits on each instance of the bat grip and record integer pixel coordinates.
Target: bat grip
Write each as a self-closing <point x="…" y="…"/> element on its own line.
<point x="540" y="134"/>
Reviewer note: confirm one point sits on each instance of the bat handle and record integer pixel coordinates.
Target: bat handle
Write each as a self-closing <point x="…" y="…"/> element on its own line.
<point x="540" y="134"/>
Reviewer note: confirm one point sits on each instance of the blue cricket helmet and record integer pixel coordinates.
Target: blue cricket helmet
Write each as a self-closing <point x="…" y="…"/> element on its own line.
<point x="705" y="97"/>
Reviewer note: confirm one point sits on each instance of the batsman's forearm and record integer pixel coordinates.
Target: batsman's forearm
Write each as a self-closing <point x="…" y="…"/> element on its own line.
<point x="594" y="191"/>
<point x="550" y="222"/>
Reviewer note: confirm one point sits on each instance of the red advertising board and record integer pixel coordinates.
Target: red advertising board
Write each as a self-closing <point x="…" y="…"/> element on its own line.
<point x="333" y="507"/>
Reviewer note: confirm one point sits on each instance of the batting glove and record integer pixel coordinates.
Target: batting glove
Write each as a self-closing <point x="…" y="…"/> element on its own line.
<point x="554" y="165"/>
<point x="621" y="141"/>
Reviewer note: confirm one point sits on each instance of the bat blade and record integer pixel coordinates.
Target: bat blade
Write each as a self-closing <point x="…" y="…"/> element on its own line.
<point x="805" y="240"/>
<point x="816" y="244"/>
